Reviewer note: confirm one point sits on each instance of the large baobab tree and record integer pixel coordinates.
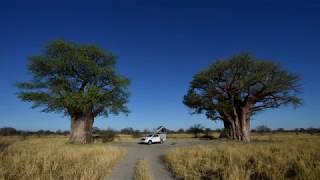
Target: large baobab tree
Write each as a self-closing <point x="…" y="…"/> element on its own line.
<point x="78" y="80"/>
<point x="235" y="89"/>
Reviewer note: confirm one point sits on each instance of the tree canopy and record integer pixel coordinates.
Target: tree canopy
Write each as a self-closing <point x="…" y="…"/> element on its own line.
<point x="240" y="80"/>
<point x="75" y="79"/>
<point x="240" y="87"/>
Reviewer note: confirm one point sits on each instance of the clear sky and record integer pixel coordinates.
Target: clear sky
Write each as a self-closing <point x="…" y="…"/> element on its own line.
<point x="160" y="45"/>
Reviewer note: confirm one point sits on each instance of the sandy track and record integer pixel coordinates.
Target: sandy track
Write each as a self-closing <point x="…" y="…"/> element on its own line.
<point x="153" y="154"/>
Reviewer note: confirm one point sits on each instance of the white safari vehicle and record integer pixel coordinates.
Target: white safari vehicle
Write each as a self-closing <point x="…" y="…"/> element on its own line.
<point x="159" y="136"/>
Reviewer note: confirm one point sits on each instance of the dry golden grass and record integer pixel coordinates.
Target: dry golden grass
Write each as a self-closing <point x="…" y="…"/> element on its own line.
<point x="6" y="141"/>
<point x="125" y="138"/>
<point x="180" y="135"/>
<point x="52" y="158"/>
<point x="286" y="156"/>
<point x="142" y="171"/>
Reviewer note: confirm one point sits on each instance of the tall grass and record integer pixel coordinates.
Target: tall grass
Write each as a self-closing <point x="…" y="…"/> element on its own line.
<point x="53" y="158"/>
<point x="282" y="158"/>
<point x="142" y="171"/>
<point x="5" y="142"/>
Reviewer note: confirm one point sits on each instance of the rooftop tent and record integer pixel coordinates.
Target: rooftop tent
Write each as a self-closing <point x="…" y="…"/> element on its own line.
<point x="161" y="129"/>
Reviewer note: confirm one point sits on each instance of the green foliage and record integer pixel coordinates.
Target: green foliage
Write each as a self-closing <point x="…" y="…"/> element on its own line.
<point x="263" y="128"/>
<point x="107" y="135"/>
<point x="228" y="85"/>
<point x="196" y="129"/>
<point x="75" y="79"/>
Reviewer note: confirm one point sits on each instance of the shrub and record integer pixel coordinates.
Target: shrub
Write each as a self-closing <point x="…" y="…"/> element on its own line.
<point x="263" y="129"/>
<point x="8" y="131"/>
<point x="196" y="130"/>
<point x="107" y="135"/>
<point x="136" y="134"/>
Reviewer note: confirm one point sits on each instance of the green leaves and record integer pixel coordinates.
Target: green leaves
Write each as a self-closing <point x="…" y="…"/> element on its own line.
<point x="240" y="81"/>
<point x="75" y="79"/>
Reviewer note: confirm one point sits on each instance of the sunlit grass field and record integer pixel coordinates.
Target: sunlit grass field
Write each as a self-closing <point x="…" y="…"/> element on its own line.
<point x="189" y="135"/>
<point x="269" y="156"/>
<point x="53" y="158"/>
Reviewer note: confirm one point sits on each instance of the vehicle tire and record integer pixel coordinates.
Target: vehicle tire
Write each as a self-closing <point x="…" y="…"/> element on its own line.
<point x="150" y="142"/>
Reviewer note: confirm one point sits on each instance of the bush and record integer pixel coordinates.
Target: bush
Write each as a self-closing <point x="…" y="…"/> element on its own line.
<point x="107" y="135"/>
<point x="196" y="130"/>
<point x="136" y="134"/>
<point x="263" y="129"/>
<point x="181" y="130"/>
<point x="8" y="131"/>
<point x="128" y="130"/>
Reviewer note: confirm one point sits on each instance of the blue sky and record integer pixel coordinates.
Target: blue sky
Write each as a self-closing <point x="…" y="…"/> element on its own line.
<point x="160" y="45"/>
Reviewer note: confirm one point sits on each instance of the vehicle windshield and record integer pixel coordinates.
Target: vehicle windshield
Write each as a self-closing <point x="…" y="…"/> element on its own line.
<point x="150" y="135"/>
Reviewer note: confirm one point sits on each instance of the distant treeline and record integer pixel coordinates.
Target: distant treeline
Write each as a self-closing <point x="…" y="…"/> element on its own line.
<point x="264" y="128"/>
<point x="6" y="131"/>
<point x="195" y="129"/>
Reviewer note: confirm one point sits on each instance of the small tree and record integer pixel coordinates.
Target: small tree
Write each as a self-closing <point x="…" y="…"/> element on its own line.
<point x="8" y="131"/>
<point x="128" y="130"/>
<point x="196" y="130"/>
<point x="78" y="80"/>
<point x="207" y="131"/>
<point x="107" y="135"/>
<point x="181" y="130"/>
<point x="233" y="90"/>
<point x="146" y="131"/>
<point x="263" y="129"/>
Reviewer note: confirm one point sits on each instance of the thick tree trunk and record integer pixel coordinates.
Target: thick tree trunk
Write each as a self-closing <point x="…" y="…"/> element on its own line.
<point x="236" y="130"/>
<point x="81" y="128"/>
<point x="238" y="127"/>
<point x="226" y="133"/>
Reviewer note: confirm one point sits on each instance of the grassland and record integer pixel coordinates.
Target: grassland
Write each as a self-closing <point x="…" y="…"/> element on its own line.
<point x="269" y="156"/>
<point x="142" y="170"/>
<point x="52" y="158"/>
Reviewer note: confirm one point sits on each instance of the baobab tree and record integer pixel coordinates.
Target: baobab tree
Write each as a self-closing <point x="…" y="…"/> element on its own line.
<point x="77" y="80"/>
<point x="235" y="89"/>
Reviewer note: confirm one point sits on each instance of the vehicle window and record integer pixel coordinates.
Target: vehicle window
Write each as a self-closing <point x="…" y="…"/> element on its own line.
<point x="149" y="135"/>
<point x="156" y="135"/>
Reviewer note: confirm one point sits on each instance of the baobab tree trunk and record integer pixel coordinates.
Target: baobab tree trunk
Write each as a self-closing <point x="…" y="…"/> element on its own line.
<point x="226" y="133"/>
<point x="81" y="128"/>
<point x="237" y="130"/>
<point x="237" y="127"/>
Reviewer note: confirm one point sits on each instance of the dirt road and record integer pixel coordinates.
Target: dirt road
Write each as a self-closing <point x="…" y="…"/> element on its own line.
<point x="153" y="154"/>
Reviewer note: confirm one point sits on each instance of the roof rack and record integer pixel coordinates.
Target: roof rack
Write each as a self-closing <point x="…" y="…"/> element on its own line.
<point x="160" y="129"/>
